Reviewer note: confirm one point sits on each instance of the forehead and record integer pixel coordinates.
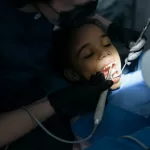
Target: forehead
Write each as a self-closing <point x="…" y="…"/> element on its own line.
<point x="85" y="33"/>
<point x="89" y="33"/>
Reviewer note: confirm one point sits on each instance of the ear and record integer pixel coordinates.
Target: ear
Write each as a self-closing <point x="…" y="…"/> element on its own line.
<point x="71" y="75"/>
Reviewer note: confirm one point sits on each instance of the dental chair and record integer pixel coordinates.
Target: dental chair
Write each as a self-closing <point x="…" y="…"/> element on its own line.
<point x="127" y="113"/>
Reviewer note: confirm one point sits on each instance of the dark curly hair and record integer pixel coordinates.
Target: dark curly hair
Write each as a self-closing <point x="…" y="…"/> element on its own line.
<point x="61" y="45"/>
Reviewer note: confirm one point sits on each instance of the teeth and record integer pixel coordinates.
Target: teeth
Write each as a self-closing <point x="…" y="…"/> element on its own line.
<point x="115" y="75"/>
<point x="109" y="65"/>
<point x="113" y="71"/>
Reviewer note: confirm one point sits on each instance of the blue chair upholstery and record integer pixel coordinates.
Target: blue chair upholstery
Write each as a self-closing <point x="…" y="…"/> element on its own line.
<point x="108" y="143"/>
<point x="127" y="111"/>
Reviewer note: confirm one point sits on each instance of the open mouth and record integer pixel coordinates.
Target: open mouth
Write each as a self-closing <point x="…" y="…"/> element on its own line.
<point x="115" y="74"/>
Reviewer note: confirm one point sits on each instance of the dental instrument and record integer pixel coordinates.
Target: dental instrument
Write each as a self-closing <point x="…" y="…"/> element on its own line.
<point x="135" y="47"/>
<point x="143" y="31"/>
<point x="54" y="136"/>
<point x="101" y="103"/>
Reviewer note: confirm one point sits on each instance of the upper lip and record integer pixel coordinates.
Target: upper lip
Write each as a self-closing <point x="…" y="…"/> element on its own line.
<point x="106" y="67"/>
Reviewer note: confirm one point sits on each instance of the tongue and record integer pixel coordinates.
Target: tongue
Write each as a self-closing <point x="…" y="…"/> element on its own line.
<point x="105" y="73"/>
<point x="114" y="72"/>
<point x="115" y="75"/>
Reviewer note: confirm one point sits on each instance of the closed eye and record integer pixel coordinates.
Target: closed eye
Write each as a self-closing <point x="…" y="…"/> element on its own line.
<point x="89" y="55"/>
<point x="107" y="45"/>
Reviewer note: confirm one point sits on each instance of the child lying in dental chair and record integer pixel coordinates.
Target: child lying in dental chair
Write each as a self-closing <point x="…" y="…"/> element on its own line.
<point x="84" y="50"/>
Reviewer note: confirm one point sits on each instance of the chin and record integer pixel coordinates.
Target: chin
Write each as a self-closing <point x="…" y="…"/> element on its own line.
<point x="115" y="86"/>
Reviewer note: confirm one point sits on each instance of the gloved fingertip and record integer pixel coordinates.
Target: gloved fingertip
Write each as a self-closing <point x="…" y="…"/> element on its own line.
<point x="99" y="73"/>
<point x="110" y="82"/>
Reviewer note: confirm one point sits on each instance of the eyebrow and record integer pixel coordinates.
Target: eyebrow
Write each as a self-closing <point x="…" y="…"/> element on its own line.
<point x="83" y="47"/>
<point x="88" y="44"/>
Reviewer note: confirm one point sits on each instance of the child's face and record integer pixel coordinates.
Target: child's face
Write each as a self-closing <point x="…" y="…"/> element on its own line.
<point x="91" y="51"/>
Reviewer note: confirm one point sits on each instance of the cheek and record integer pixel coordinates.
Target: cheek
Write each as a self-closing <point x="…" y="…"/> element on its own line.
<point x="88" y="68"/>
<point x="117" y="58"/>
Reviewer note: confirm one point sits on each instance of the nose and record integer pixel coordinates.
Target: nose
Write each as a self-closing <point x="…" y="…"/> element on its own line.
<point x="104" y="54"/>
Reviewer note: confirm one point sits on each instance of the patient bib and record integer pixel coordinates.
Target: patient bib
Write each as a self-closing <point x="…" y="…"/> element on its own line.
<point x="133" y="95"/>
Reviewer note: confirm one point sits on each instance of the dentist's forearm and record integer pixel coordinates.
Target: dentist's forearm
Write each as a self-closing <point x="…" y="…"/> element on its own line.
<point x="17" y="123"/>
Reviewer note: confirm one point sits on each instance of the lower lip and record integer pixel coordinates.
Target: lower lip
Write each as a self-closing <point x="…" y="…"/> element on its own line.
<point x="115" y="80"/>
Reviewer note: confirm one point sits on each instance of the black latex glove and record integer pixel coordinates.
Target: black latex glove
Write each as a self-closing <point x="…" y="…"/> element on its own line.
<point x="79" y="99"/>
<point x="116" y="32"/>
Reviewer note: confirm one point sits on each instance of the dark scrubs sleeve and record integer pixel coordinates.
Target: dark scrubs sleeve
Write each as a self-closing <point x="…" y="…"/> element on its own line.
<point x="25" y="41"/>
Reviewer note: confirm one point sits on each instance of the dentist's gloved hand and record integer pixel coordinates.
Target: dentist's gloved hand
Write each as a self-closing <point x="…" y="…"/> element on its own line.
<point x="79" y="99"/>
<point x="128" y="37"/>
<point x="116" y="32"/>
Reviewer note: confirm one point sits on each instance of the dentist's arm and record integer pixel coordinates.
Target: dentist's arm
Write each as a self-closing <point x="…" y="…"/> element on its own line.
<point x="69" y="101"/>
<point x="104" y="22"/>
<point x="17" y="123"/>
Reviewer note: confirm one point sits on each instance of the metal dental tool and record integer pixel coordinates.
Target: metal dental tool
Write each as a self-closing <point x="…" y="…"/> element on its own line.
<point x="101" y="103"/>
<point x="143" y="31"/>
<point x="136" y="46"/>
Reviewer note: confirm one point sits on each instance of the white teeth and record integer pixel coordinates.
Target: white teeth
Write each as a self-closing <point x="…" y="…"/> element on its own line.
<point x="115" y="75"/>
<point x="109" y="65"/>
